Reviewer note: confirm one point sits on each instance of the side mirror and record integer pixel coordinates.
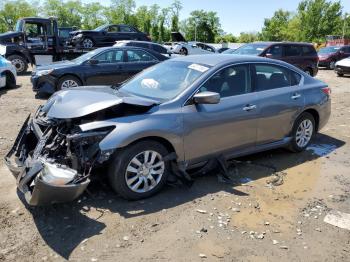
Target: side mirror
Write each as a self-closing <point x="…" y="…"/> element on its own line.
<point x="93" y="62"/>
<point x="206" y="98"/>
<point x="268" y="55"/>
<point x="194" y="46"/>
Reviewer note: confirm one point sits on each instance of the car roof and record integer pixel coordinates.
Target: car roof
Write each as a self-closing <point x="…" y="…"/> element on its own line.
<point x="136" y="41"/>
<point x="216" y="59"/>
<point x="283" y="42"/>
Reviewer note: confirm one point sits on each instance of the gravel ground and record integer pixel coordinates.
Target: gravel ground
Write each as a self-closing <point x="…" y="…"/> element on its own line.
<point x="210" y="221"/>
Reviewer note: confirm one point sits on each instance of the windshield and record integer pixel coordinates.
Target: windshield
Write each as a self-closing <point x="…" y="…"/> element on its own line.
<point x="329" y="50"/>
<point x="18" y="27"/>
<point x="164" y="81"/>
<point x="100" y="28"/>
<point x="85" y="57"/>
<point x="251" y="49"/>
<point x="229" y="51"/>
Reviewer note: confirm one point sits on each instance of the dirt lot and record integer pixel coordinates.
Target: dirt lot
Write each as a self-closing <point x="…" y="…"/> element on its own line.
<point x="249" y="221"/>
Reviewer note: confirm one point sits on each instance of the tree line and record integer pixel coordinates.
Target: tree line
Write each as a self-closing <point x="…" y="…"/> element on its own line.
<point x="311" y="22"/>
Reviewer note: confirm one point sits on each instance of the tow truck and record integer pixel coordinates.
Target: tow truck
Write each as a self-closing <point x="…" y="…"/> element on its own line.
<point x="36" y="41"/>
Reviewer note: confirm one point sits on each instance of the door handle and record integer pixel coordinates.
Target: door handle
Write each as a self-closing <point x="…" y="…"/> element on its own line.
<point x="295" y="96"/>
<point x="249" y="107"/>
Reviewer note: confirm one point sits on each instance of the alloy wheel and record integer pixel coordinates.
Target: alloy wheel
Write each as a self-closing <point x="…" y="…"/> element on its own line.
<point x="68" y="84"/>
<point x="304" y="133"/>
<point x="87" y="43"/>
<point x="144" y="171"/>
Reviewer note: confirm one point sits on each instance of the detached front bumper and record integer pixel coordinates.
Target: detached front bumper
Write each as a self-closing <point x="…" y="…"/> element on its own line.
<point x="28" y="170"/>
<point x="342" y="69"/>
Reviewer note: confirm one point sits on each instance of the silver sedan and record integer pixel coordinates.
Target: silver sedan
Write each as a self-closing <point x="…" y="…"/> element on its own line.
<point x="175" y="115"/>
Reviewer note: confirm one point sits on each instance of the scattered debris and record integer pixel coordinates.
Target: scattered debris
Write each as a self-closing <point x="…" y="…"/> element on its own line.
<point x="125" y="238"/>
<point x="283" y="247"/>
<point x="338" y="219"/>
<point x="318" y="229"/>
<point x="275" y="242"/>
<point x="201" y="255"/>
<point x="201" y="211"/>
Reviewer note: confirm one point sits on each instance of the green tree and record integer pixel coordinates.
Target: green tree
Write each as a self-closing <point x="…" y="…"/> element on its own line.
<point x="319" y="18"/>
<point x="93" y="15"/>
<point x="202" y="26"/>
<point x="248" y="37"/>
<point x="275" y="27"/>
<point x="226" y="38"/>
<point x="176" y="7"/>
<point x="68" y="13"/>
<point x="121" y="12"/>
<point x="11" y="11"/>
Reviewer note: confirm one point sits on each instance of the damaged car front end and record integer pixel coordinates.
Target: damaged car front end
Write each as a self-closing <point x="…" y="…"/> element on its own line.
<point x="52" y="157"/>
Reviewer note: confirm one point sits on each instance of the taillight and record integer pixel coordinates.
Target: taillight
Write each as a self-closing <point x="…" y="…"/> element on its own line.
<point x="326" y="90"/>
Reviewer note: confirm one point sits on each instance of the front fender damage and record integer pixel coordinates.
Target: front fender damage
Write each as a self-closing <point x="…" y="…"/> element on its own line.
<point x="52" y="159"/>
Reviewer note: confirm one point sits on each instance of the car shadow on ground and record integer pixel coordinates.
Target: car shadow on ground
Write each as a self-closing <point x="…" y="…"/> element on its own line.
<point x="64" y="226"/>
<point x="4" y="90"/>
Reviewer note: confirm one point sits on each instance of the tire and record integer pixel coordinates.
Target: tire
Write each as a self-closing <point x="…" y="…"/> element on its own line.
<point x="19" y="62"/>
<point x="308" y="71"/>
<point x="123" y="160"/>
<point x="296" y="144"/>
<point x="67" y="82"/>
<point x="340" y="74"/>
<point x="331" y="65"/>
<point x="183" y="51"/>
<point x="10" y="80"/>
<point x="87" y="43"/>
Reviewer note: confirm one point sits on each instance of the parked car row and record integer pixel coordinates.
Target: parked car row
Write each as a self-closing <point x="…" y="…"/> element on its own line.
<point x="175" y="115"/>
<point x="329" y="56"/>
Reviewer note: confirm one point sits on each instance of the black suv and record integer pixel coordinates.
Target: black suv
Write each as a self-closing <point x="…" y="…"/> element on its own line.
<point x="105" y="35"/>
<point x="144" y="44"/>
<point x="302" y="55"/>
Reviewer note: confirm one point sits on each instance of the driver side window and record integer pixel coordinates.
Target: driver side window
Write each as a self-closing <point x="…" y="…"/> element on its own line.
<point x="109" y="57"/>
<point x="230" y="81"/>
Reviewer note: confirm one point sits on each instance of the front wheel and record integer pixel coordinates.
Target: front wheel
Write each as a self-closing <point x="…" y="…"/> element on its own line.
<point x="183" y="51"/>
<point x="302" y="133"/>
<point x="308" y="71"/>
<point x="139" y="171"/>
<point x="332" y="65"/>
<point x="19" y="62"/>
<point x="88" y="43"/>
<point x="67" y="82"/>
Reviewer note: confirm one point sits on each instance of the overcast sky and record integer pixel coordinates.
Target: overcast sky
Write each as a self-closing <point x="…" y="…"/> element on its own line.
<point x="235" y="16"/>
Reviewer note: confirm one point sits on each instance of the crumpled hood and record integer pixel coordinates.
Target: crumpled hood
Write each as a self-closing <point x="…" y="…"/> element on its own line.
<point x="9" y="35"/>
<point x="73" y="33"/>
<point x="85" y="100"/>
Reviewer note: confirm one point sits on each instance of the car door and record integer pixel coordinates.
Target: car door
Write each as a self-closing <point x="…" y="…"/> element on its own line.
<point x="280" y="100"/>
<point x="127" y="33"/>
<point x="292" y="55"/>
<point x="231" y="124"/>
<point x="111" y="35"/>
<point x="138" y="60"/>
<point x="109" y="70"/>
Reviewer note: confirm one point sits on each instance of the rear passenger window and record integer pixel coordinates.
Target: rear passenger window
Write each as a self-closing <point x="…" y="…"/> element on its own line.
<point x="139" y="56"/>
<point x="231" y="81"/>
<point x="159" y="49"/>
<point x="271" y="77"/>
<point x="292" y="50"/>
<point x="143" y="45"/>
<point x="308" y="50"/>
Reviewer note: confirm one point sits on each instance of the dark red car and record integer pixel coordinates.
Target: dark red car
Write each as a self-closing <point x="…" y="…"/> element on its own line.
<point x="302" y="55"/>
<point x="329" y="55"/>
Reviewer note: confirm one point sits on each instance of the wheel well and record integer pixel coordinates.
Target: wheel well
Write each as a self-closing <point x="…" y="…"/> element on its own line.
<point x="160" y="140"/>
<point x="316" y="116"/>
<point x="20" y="54"/>
<point x="74" y="75"/>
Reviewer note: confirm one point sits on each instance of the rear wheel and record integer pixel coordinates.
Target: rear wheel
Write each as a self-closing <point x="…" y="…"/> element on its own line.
<point x="308" y="71"/>
<point x="183" y="51"/>
<point x="332" y="65"/>
<point x="340" y="74"/>
<point x="19" y="62"/>
<point x="67" y="82"/>
<point x="302" y="133"/>
<point x="139" y="171"/>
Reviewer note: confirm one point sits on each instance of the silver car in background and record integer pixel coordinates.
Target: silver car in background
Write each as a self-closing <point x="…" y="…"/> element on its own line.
<point x="8" y="73"/>
<point x="177" y="114"/>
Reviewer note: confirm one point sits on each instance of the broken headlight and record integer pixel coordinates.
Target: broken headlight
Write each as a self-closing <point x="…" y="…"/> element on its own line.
<point x="55" y="174"/>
